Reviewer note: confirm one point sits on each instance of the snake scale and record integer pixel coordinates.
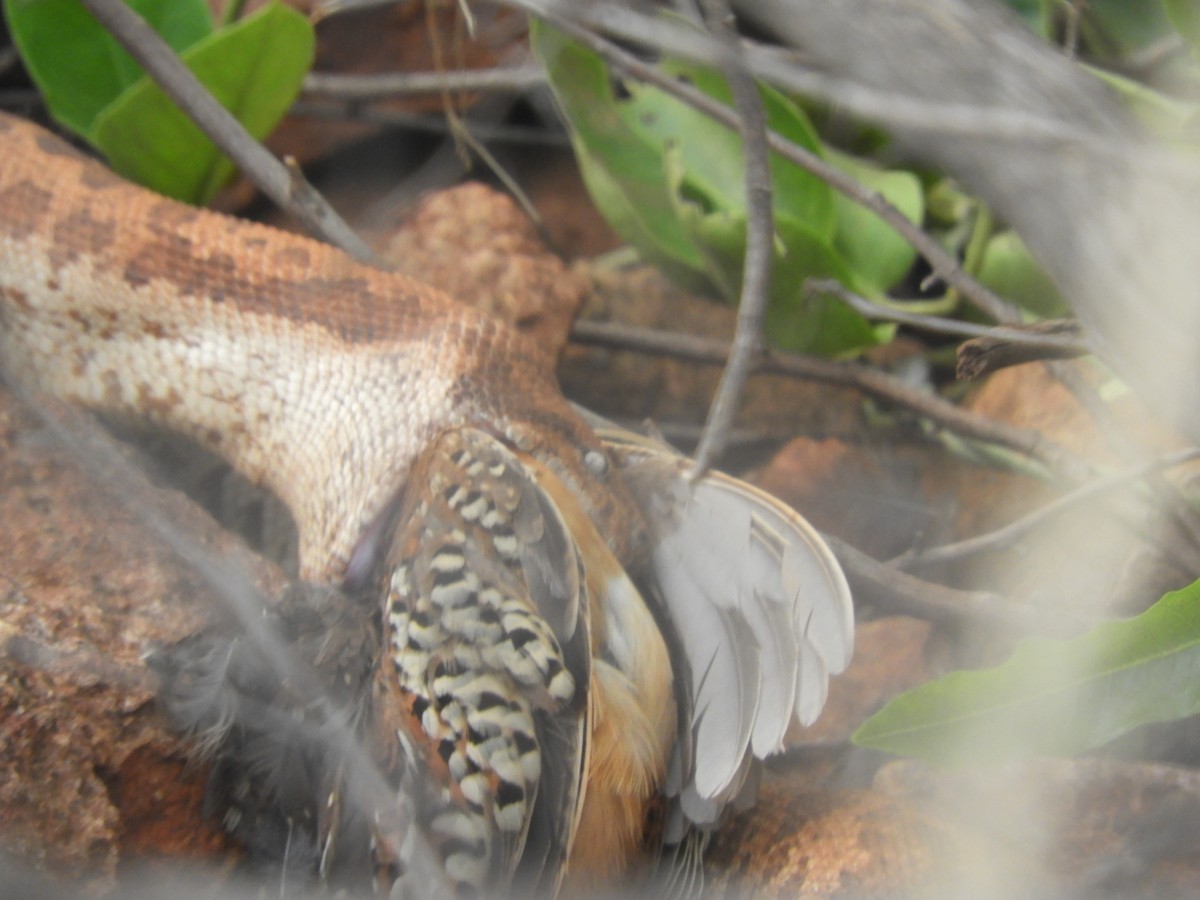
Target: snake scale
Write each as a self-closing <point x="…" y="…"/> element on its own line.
<point x="571" y="630"/>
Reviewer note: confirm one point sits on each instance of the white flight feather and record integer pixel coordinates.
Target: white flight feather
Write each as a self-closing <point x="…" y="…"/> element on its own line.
<point x="759" y="606"/>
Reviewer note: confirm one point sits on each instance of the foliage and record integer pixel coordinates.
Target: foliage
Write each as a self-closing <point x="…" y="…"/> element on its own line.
<point x="1065" y="697"/>
<point x="1054" y="697"/>
<point x="254" y="67"/>
<point x="669" y="180"/>
<point x="1185" y="17"/>
<point x="1010" y="270"/>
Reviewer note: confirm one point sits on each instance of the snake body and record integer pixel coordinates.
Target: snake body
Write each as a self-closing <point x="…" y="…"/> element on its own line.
<point x="314" y="375"/>
<point x="525" y="686"/>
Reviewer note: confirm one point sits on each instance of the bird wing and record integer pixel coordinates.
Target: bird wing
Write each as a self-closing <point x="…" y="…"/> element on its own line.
<point x="489" y="659"/>
<point x="759" y="609"/>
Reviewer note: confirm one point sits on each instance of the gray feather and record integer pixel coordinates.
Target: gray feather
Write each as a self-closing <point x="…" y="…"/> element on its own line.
<point x="759" y="608"/>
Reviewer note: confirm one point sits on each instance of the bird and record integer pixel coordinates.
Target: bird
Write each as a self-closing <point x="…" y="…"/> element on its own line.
<point x="529" y="648"/>
<point x="518" y="665"/>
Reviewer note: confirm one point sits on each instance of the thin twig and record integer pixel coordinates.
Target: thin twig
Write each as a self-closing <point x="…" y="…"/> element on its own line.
<point x="900" y="592"/>
<point x="870" y="381"/>
<point x="1053" y="335"/>
<point x="1054" y="339"/>
<point x="943" y="263"/>
<point x="1008" y="535"/>
<point x="1074" y="13"/>
<point x="1180" y="545"/>
<point x="502" y="79"/>
<point x="532" y="135"/>
<point x="289" y="191"/>
<point x="760" y="230"/>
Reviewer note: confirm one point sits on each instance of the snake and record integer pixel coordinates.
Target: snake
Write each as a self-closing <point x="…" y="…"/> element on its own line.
<point x="574" y="632"/>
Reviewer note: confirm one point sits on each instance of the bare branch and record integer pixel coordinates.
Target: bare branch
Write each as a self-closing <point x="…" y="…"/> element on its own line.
<point x="760" y="230"/>
<point x="943" y="263"/>
<point x="1016" y="345"/>
<point x="868" y="380"/>
<point x="1005" y="537"/>
<point x="1053" y="339"/>
<point x="502" y="79"/>
<point x="900" y="592"/>
<point x="291" y="192"/>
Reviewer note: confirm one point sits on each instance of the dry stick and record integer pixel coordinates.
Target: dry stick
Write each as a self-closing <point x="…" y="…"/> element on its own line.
<point x="990" y="347"/>
<point x="870" y="381"/>
<point x="1052" y="339"/>
<point x="1181" y="542"/>
<point x="999" y="347"/>
<point x="434" y="124"/>
<point x="508" y="79"/>
<point x="943" y="263"/>
<point x="760" y="230"/>
<point x="1053" y="336"/>
<point x="290" y="191"/>
<point x="1004" y="537"/>
<point x="907" y="594"/>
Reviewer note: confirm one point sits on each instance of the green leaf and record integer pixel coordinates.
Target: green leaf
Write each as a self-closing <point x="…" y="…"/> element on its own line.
<point x="679" y="259"/>
<point x="1185" y="19"/>
<point x="709" y="155"/>
<point x="1167" y="117"/>
<point x="74" y="62"/>
<point x="254" y="68"/>
<point x="1038" y="14"/>
<point x="670" y="181"/>
<point x="794" y="322"/>
<point x="1054" y="697"/>
<point x="875" y="251"/>
<point x="1126" y="24"/>
<point x="623" y="175"/>
<point x="820" y="324"/>
<point x="1011" y="271"/>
